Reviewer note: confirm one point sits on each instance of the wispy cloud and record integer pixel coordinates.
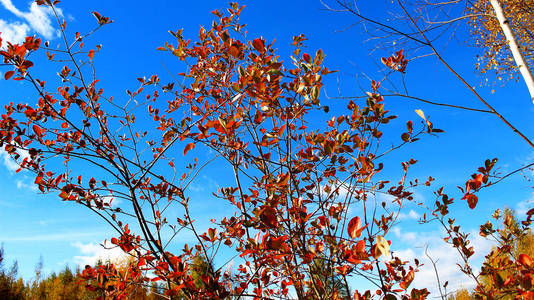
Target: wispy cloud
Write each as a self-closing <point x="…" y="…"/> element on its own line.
<point x="411" y="215"/>
<point x="206" y="183"/>
<point x="26" y="184"/>
<point x="444" y="256"/>
<point x="92" y="252"/>
<point x="36" y="18"/>
<point x="112" y="200"/>
<point x="13" y="32"/>
<point x="7" y="161"/>
<point x="54" y="237"/>
<point x="524" y="206"/>
<point x="404" y="235"/>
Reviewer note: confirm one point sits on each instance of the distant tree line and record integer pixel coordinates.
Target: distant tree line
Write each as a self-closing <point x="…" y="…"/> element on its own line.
<point x="65" y="285"/>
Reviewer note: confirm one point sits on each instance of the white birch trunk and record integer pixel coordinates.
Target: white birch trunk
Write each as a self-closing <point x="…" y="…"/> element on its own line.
<point x="512" y="43"/>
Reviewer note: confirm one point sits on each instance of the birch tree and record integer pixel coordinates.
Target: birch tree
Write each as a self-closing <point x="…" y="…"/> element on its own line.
<point x="503" y="28"/>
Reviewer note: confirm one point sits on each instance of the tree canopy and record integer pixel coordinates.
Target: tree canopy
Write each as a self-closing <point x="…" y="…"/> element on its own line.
<point x="312" y="204"/>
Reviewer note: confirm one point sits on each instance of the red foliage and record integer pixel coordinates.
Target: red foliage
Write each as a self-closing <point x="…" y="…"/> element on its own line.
<point x="293" y="186"/>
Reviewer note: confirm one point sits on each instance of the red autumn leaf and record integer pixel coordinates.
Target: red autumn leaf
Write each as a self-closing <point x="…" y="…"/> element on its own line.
<point x="259" y="45"/>
<point x="268" y="217"/>
<point x="284" y="179"/>
<point x="525" y="260"/>
<point x="472" y="200"/>
<point x="476" y="183"/>
<point x="360" y="246"/>
<point x="9" y="74"/>
<point x="91" y="54"/>
<point x="258" y="117"/>
<point x="233" y="51"/>
<point x="212" y="233"/>
<point x="354" y="228"/>
<point x="407" y="280"/>
<point x="38" y="130"/>
<point x="92" y="183"/>
<point x="64" y="195"/>
<point x="353" y="259"/>
<point x="141" y="262"/>
<point x="306" y="57"/>
<point x="343" y="270"/>
<point x="319" y="247"/>
<point x="39" y="179"/>
<point x="188" y="147"/>
<point x="276" y="243"/>
<point x="97" y="15"/>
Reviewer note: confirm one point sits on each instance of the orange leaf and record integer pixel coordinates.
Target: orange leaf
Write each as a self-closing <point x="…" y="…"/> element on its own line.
<point x="353" y="259"/>
<point x="525" y="260"/>
<point x="188" y="147"/>
<point x="141" y="262"/>
<point x="233" y="51"/>
<point x="38" y="130"/>
<point x="354" y="228"/>
<point x="284" y="179"/>
<point x="64" y="195"/>
<point x="276" y="243"/>
<point x="407" y="280"/>
<point x="360" y="246"/>
<point x="91" y="54"/>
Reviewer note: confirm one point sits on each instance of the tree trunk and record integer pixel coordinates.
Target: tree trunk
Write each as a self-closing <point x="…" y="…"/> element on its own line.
<point x="514" y="47"/>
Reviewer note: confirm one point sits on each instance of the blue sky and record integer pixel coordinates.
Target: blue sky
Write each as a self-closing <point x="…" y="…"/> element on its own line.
<point x="33" y="225"/>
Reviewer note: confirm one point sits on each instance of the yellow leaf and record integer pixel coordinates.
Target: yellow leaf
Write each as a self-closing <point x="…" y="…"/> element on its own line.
<point x="382" y="245"/>
<point x="420" y="113"/>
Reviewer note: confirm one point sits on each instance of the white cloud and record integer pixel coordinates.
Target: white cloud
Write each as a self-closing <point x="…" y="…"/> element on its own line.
<point x="524" y="206"/>
<point x="38" y="19"/>
<point x="110" y="199"/>
<point x="445" y="257"/>
<point x="22" y="182"/>
<point x="411" y="215"/>
<point x="7" y="161"/>
<point x="26" y="184"/>
<point x="404" y="235"/>
<point x="92" y="252"/>
<point x="206" y="183"/>
<point x="14" y="32"/>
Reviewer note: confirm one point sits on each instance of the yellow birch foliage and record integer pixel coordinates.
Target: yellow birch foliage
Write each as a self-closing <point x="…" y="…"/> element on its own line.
<point x="488" y="35"/>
